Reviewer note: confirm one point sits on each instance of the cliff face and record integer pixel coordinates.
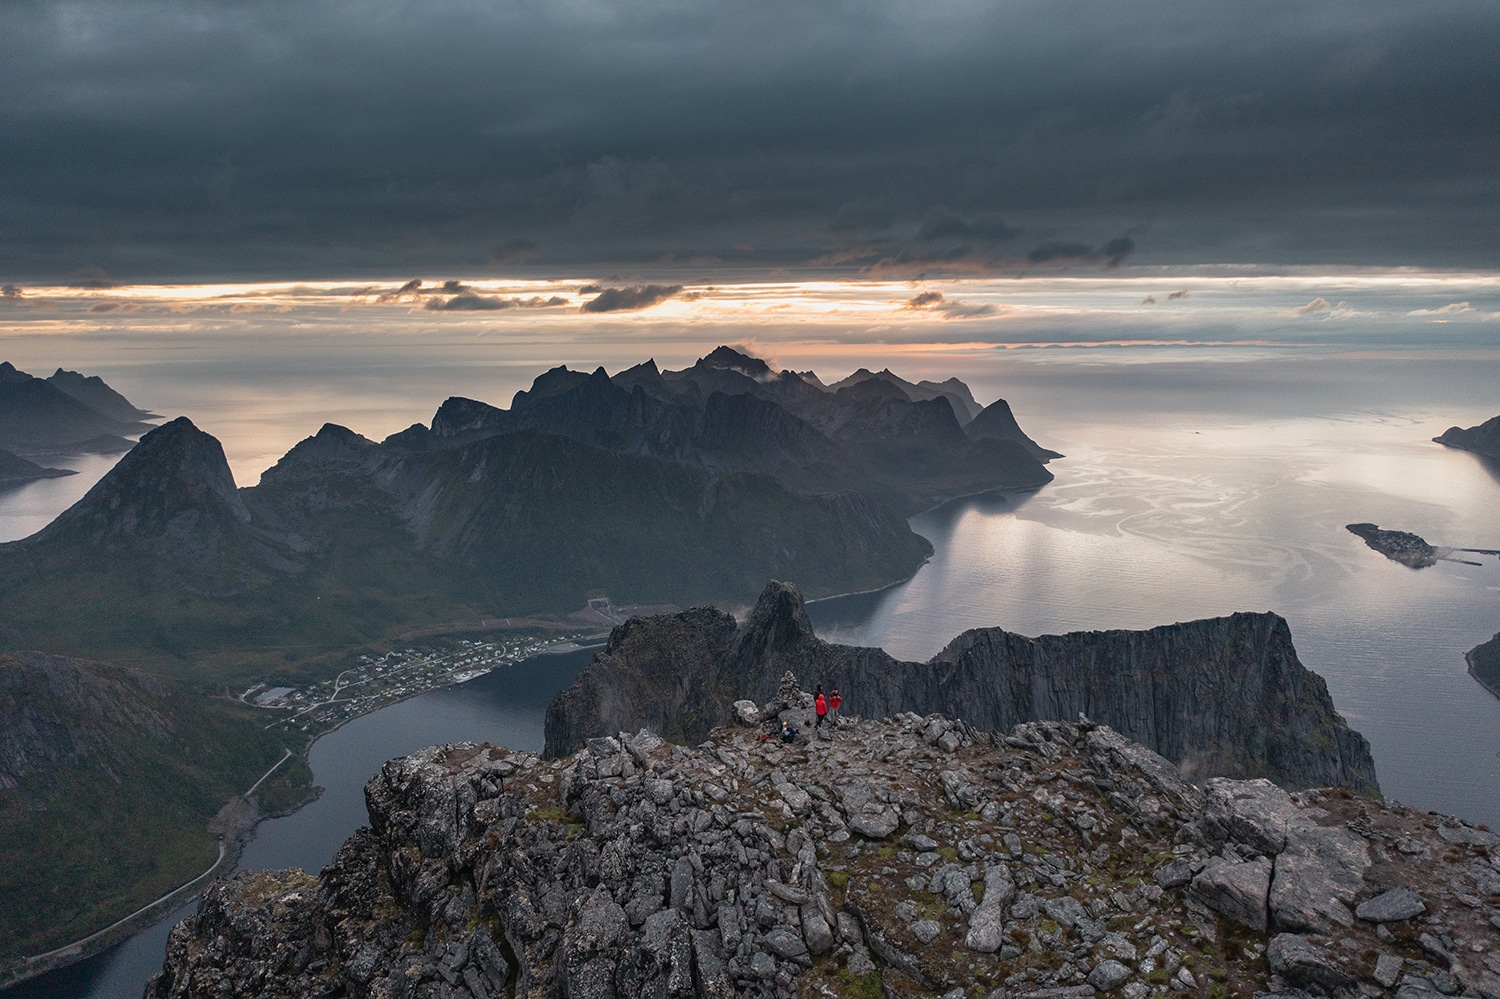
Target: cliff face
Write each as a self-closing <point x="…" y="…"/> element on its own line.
<point x="1225" y="696"/>
<point x="910" y="857"/>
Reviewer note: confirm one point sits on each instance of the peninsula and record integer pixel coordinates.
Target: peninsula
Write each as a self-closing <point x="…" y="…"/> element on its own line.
<point x="1482" y="440"/>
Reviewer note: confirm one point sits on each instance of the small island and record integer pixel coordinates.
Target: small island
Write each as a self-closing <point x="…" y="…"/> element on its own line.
<point x="1484" y="664"/>
<point x="1398" y="546"/>
<point x="1482" y="440"/>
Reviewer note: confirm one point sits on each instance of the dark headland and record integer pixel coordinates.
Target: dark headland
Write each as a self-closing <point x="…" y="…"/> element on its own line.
<point x="1482" y="440"/>
<point x="1484" y="664"/>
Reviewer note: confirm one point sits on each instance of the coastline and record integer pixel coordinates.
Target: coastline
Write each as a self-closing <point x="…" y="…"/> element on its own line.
<point x="239" y="831"/>
<point x="1490" y="683"/>
<point x="1001" y="491"/>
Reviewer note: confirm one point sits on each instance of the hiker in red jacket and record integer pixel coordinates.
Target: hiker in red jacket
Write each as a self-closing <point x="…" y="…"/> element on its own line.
<point x="835" y="701"/>
<point x="820" y="705"/>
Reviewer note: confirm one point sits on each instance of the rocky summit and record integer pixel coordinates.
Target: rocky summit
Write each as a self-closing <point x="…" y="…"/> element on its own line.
<point x="915" y="856"/>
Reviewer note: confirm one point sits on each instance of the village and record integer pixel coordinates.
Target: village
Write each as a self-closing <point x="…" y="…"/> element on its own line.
<point x="374" y="682"/>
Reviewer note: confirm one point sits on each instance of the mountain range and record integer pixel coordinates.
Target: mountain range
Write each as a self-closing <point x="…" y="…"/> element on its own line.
<point x="652" y="486"/>
<point x="67" y="413"/>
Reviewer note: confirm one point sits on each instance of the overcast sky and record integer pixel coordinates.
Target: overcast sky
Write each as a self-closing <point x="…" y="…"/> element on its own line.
<point x="191" y="139"/>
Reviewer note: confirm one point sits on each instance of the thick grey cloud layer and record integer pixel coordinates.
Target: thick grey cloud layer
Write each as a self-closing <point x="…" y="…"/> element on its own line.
<point x="169" y="138"/>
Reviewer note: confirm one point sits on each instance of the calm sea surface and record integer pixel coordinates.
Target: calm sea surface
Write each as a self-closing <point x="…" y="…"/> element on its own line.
<point x="1196" y="483"/>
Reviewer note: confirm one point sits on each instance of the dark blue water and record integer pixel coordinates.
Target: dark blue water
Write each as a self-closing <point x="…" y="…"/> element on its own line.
<point x="504" y="707"/>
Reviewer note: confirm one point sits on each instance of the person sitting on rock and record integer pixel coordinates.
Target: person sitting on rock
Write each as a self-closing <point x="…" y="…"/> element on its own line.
<point x="788" y="734"/>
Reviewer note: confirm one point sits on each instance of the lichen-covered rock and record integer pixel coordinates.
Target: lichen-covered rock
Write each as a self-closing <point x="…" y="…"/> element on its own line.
<point x="1020" y="862"/>
<point x="1236" y="891"/>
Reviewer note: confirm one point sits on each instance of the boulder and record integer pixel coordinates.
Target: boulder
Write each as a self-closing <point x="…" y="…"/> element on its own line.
<point x="1302" y="962"/>
<point x="987" y="922"/>
<point x="1392" y="906"/>
<point x="1235" y="891"/>
<point x="1256" y="813"/>
<point x="1108" y="975"/>
<point x="1317" y="877"/>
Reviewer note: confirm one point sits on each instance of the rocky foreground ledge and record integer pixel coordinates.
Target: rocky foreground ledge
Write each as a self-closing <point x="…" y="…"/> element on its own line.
<point x="900" y="858"/>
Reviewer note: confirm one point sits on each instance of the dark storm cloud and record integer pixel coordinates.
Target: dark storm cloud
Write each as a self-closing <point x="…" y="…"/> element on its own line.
<point x="158" y="138"/>
<point x="944" y="223"/>
<point x="1111" y="254"/>
<point x="641" y="296"/>
<point x="470" y="302"/>
<point x="514" y="251"/>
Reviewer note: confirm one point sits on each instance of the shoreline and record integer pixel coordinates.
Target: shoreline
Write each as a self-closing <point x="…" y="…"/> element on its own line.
<point x="232" y="845"/>
<point x="998" y="491"/>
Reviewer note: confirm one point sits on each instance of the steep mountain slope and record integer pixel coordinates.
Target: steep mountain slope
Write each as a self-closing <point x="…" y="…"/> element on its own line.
<point x="159" y="553"/>
<point x="532" y="521"/>
<point x="1225" y="696"/>
<point x="997" y="421"/>
<point x="108" y="778"/>
<point x="95" y="394"/>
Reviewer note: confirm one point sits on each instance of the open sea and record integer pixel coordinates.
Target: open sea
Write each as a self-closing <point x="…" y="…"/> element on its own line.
<point x="1197" y="481"/>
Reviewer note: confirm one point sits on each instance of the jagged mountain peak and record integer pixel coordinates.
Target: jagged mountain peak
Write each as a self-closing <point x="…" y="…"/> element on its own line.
<point x="553" y="381"/>
<point x="9" y="373"/>
<point x="92" y="391"/>
<point x="735" y="360"/>
<point x="778" y="621"/>
<point x="175" y="474"/>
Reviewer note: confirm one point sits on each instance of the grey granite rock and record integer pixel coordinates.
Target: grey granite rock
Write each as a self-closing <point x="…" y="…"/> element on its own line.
<point x="1392" y="906"/>
<point x="1108" y="975"/>
<point x="1235" y="891"/>
<point x="986" y="932"/>
<point x="1387" y="969"/>
<point x="1256" y="813"/>
<point x="1317" y="877"/>
<point x="1302" y="962"/>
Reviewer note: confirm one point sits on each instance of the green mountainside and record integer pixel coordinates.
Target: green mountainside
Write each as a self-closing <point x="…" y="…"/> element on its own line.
<point x="108" y="780"/>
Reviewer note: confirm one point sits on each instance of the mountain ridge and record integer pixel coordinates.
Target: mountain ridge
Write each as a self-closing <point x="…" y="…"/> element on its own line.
<point x="1219" y="697"/>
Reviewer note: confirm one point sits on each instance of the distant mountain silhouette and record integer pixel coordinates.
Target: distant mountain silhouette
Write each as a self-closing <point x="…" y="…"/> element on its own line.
<point x="683" y="487"/>
<point x="67" y="413"/>
<point x="15" y="470"/>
